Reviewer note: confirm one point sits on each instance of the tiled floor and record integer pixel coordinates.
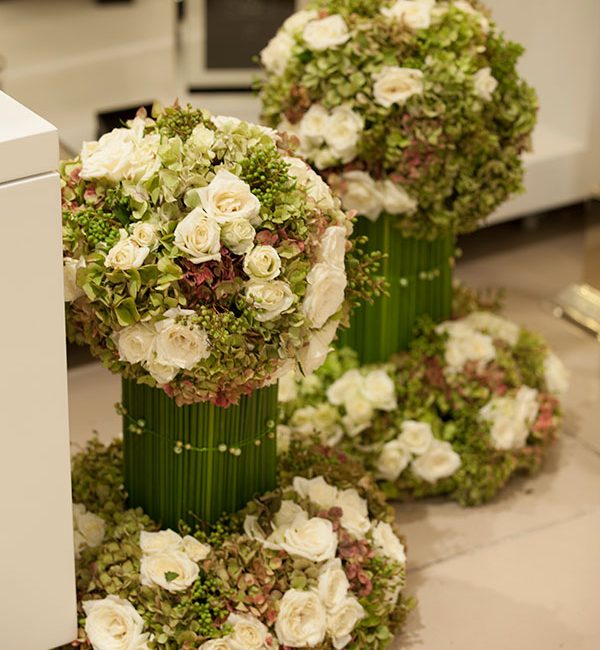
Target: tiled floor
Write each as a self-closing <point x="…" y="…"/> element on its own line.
<point x="524" y="571"/>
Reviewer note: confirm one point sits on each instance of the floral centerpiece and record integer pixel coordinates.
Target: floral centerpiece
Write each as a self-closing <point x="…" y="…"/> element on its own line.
<point x="414" y="111"/>
<point x="202" y="260"/>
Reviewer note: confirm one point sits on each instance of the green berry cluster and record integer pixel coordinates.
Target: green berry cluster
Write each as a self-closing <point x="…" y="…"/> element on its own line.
<point x="267" y="174"/>
<point x="97" y="227"/>
<point x="178" y="121"/>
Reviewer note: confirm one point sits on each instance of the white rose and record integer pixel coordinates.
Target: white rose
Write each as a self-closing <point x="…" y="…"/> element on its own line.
<point x="171" y="570"/>
<point x="385" y="539"/>
<point x="414" y="14"/>
<point x="314" y="353"/>
<point x="379" y="389"/>
<point x="72" y="290"/>
<point x="228" y="197"/>
<point x="248" y="633"/>
<point x="301" y="620"/>
<point x="216" y="644"/>
<point x="284" y="438"/>
<point x="393" y="460"/>
<point x="313" y="539"/>
<point x="316" y="490"/>
<point x="238" y="235"/>
<point x="322" y="159"/>
<point x="350" y="498"/>
<point x="322" y="420"/>
<point x="527" y="404"/>
<point x="439" y="461"/>
<point x="262" y="263"/>
<point x="313" y="125"/>
<point x="326" y="32"/>
<point x="162" y="541"/>
<point x="276" y="54"/>
<point x="202" y="137"/>
<point x="287" y="390"/>
<point x="360" y="413"/>
<point x="394" y="85"/>
<point x="198" y="237"/>
<point x="288" y="512"/>
<point x="484" y="83"/>
<point x="297" y="21"/>
<point x="135" y="342"/>
<point x="416" y="436"/>
<point x="355" y="513"/>
<point x="162" y="373"/>
<point x="342" y="132"/>
<point x="359" y="192"/>
<point x="494" y="325"/>
<point x="466" y="8"/>
<point x="316" y="188"/>
<point x="348" y="385"/>
<point x="144" y="234"/>
<point x="144" y="161"/>
<point x="324" y="294"/>
<point x="556" y="375"/>
<point x="91" y="527"/>
<point x="126" y="254"/>
<point x="194" y="549"/>
<point x="114" y="624"/>
<point x="395" y="198"/>
<point x="333" y="584"/>
<point x="466" y="344"/>
<point x="332" y="246"/>
<point x="342" y="619"/>
<point x="179" y="344"/>
<point x="252" y="528"/>
<point x="270" y="298"/>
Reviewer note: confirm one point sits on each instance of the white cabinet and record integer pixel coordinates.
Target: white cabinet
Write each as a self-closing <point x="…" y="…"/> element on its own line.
<point x="38" y="609"/>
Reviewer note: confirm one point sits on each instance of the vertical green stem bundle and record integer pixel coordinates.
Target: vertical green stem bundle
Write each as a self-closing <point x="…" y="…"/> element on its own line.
<point x="197" y="461"/>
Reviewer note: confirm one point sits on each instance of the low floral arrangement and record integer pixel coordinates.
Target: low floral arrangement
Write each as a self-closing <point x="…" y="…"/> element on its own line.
<point x="315" y="564"/>
<point x="472" y="402"/>
<point x="407" y="107"/>
<point x="202" y="257"/>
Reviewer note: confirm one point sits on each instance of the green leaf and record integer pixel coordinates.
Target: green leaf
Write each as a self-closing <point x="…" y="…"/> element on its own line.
<point x="126" y="312"/>
<point x="170" y="576"/>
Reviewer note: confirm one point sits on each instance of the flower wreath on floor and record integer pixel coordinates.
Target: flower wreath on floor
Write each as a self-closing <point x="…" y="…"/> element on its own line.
<point x="471" y="403"/>
<point x="315" y="564"/>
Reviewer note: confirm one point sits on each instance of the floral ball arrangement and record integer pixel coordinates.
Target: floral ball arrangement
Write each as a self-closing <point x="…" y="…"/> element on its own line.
<point x="411" y="107"/>
<point x="472" y="402"/>
<point x="201" y="256"/>
<point x="316" y="564"/>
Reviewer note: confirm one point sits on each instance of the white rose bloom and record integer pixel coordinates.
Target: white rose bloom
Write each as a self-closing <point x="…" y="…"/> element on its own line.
<point x="313" y="124"/>
<point x="284" y="438"/>
<point x="316" y="188"/>
<point x="393" y="460"/>
<point x="144" y="234"/>
<point x="396" y="200"/>
<point x="496" y="326"/>
<point x="297" y="21"/>
<point x="556" y="375"/>
<point x="386" y="540"/>
<point x="466" y="8"/>
<point x="194" y="549"/>
<point x="316" y="490"/>
<point x="439" y="461"/>
<point x="324" y="294"/>
<point x="270" y="298"/>
<point x="248" y="633"/>
<point x="359" y="192"/>
<point x="466" y="344"/>
<point x="126" y="254"/>
<point x="342" y="619"/>
<point x="527" y="405"/>
<point x="276" y="54"/>
<point x="198" y="237"/>
<point x="162" y="373"/>
<point x="252" y="528"/>
<point x="414" y="14"/>
<point x="91" y="527"/>
<point x="216" y="644"/>
<point x="416" y="436"/>
<point x="379" y="389"/>
<point x="238" y="235"/>
<point x="485" y="84"/>
<point x="313" y="539"/>
<point x="333" y="584"/>
<point x="202" y="137"/>
<point x="228" y="197"/>
<point x="180" y="344"/>
<point x="171" y="570"/>
<point x="394" y="85"/>
<point x="346" y="387"/>
<point x="162" y="541"/>
<point x="506" y="431"/>
<point x="135" y="342"/>
<point x="314" y="353"/>
<point x="325" y="33"/>
<point x="350" y="498"/>
<point x="321" y="420"/>
<point x="301" y="620"/>
<point x="359" y="410"/>
<point x="332" y="246"/>
<point x="288" y="512"/>
<point x="114" y="624"/>
<point x="287" y="390"/>
<point x="342" y="132"/>
<point x="262" y="263"/>
<point x="355" y="517"/>
<point x="322" y="159"/>
<point x="71" y="289"/>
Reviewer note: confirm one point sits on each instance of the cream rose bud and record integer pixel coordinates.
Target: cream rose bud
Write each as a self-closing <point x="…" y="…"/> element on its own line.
<point x="359" y="192"/>
<point x="394" y="85"/>
<point x="301" y="621"/>
<point x="126" y="254"/>
<point x="238" y="235"/>
<point x="393" y="460"/>
<point x="556" y="374"/>
<point x="332" y="247"/>
<point x="324" y="294"/>
<point x="413" y="14"/>
<point x="171" y="570"/>
<point x="342" y="619"/>
<point x="345" y="388"/>
<point x="314" y="353"/>
<point x="342" y="132"/>
<point x="416" y="436"/>
<point x="313" y="539"/>
<point x="495" y="325"/>
<point x="228" y="197"/>
<point x="114" y="624"/>
<point x="180" y="344"/>
<point x="91" y="527"/>
<point x="248" y="633"/>
<point x="135" y="342"/>
<point x="333" y="584"/>
<point x="325" y="33"/>
<point x="194" y="549"/>
<point x="379" y="389"/>
<point x="162" y="541"/>
<point x="396" y="199"/>
<point x="276" y="54"/>
<point x="262" y="263"/>
<point x="162" y="373"/>
<point x="485" y="84"/>
<point x="314" y="124"/>
<point x="316" y="490"/>
<point x="72" y="290"/>
<point x="198" y="237"/>
<point x="386" y="540"/>
<point x="270" y="298"/>
<point x="144" y="233"/>
<point x="439" y="461"/>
